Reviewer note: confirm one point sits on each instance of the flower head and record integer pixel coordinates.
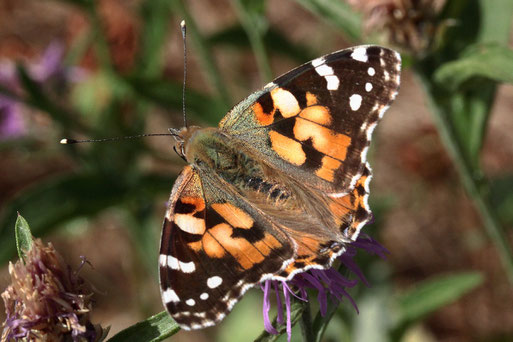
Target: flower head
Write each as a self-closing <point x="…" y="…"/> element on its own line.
<point x="329" y="284"/>
<point x="407" y="24"/>
<point x="47" y="300"/>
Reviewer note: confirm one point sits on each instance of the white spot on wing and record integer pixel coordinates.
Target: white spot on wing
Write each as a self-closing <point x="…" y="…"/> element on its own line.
<point x="163" y="260"/>
<point x="318" y="61"/>
<point x="324" y="70"/>
<point x="190" y="224"/>
<point x="214" y="282"/>
<point x="355" y="101"/>
<point x="175" y="264"/>
<point x="360" y="54"/>
<point x="333" y="82"/>
<point x="368" y="86"/>
<point x="170" y="296"/>
<point x="190" y="302"/>
<point x="327" y="72"/>
<point x="204" y="296"/>
<point x="371" y="71"/>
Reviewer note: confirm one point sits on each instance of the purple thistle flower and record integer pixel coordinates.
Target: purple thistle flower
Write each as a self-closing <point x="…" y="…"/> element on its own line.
<point x="47" y="300"/>
<point x="329" y="284"/>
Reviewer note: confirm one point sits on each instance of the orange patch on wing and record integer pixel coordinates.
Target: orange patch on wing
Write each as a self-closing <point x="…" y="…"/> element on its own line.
<point x="236" y="217"/>
<point x="190" y="224"/>
<point x="318" y="114"/>
<point x="311" y="99"/>
<point x="285" y="102"/>
<point x="209" y="245"/>
<point x="196" y="246"/>
<point x="212" y="248"/>
<point x="267" y="244"/>
<point x="262" y="117"/>
<point x="339" y="210"/>
<point x="287" y="148"/>
<point x="324" y="139"/>
<point x="327" y="169"/>
<point x="241" y="249"/>
<point x="198" y="202"/>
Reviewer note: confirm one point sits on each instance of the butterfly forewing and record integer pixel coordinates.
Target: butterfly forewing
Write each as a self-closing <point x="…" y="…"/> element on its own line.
<point x="315" y="122"/>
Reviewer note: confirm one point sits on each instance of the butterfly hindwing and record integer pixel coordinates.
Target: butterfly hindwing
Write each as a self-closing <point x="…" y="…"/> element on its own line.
<point x="315" y="122"/>
<point x="214" y="247"/>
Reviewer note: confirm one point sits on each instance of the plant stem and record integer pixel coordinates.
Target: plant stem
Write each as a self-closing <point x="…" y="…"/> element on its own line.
<point x="251" y="25"/>
<point x="306" y="323"/>
<point x="473" y="185"/>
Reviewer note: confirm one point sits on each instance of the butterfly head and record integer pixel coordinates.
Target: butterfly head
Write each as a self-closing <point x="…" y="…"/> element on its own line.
<point x="182" y="136"/>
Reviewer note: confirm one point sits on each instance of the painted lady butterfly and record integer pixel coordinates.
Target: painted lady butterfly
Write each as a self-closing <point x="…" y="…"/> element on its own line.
<point x="278" y="188"/>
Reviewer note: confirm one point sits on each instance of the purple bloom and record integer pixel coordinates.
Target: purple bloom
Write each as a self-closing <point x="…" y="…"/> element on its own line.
<point x="11" y="122"/>
<point x="48" y="70"/>
<point x="329" y="283"/>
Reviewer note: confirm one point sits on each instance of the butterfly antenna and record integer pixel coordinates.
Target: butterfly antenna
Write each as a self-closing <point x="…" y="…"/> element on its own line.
<point x="73" y="141"/>
<point x="184" y="31"/>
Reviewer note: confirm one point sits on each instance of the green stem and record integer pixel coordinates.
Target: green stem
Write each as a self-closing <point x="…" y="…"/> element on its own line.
<point x="470" y="178"/>
<point x="101" y="46"/>
<point x="306" y="323"/>
<point x="252" y="28"/>
<point x="205" y="56"/>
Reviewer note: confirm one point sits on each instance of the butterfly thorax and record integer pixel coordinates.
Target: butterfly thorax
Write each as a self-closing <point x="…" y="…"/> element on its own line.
<point x="209" y="149"/>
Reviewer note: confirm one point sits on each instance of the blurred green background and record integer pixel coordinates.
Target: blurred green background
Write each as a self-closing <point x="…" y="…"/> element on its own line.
<point x="442" y="192"/>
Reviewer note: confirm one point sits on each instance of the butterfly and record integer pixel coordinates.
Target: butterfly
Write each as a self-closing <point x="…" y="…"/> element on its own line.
<point x="279" y="187"/>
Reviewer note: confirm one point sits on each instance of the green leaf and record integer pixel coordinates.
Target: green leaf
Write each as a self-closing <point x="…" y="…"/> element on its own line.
<point x="337" y="13"/>
<point x="373" y="321"/>
<point x="491" y="61"/>
<point x="432" y="295"/>
<point x="495" y="20"/>
<point x="156" y="328"/>
<point x="23" y="236"/>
